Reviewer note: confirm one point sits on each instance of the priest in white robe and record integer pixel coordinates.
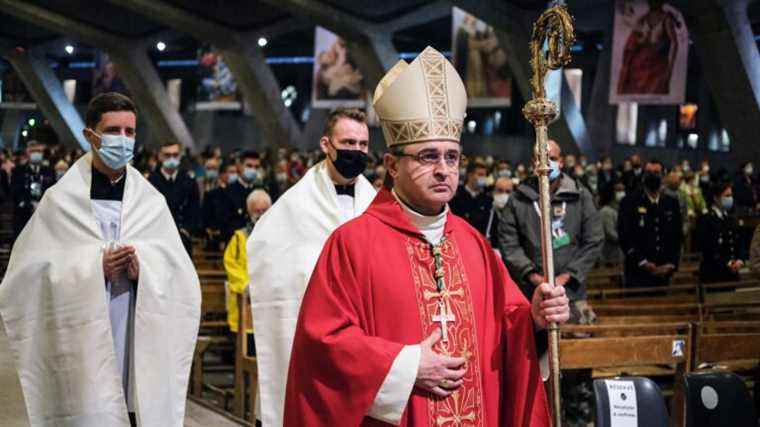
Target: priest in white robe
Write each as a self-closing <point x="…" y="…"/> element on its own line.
<point x="286" y="242"/>
<point x="100" y="301"/>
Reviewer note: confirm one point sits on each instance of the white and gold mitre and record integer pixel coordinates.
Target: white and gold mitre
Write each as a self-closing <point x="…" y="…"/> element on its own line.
<point x="421" y="101"/>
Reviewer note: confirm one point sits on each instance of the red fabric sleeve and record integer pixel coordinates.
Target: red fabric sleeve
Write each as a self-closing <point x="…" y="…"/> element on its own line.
<point x="336" y="368"/>
<point x="524" y="396"/>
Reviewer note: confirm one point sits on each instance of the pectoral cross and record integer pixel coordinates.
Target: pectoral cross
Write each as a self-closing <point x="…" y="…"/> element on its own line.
<point x="444" y="317"/>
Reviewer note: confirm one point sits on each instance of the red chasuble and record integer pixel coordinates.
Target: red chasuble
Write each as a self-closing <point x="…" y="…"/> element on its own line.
<point x="373" y="291"/>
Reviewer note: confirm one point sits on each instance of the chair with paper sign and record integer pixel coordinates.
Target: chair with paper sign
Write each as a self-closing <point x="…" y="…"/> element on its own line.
<point x="626" y="401"/>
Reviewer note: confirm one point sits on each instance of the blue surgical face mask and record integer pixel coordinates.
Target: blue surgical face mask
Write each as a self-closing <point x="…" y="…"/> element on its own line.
<point x="171" y="163"/>
<point x="232" y="178"/>
<point x="212" y="174"/>
<point x="554" y="171"/>
<point x="116" y="150"/>
<point x="35" y="157"/>
<point x="727" y="202"/>
<point x="481" y="182"/>
<point x="250" y="174"/>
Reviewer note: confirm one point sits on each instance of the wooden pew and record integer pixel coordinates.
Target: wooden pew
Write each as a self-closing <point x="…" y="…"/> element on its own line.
<point x="245" y="365"/>
<point x="213" y="324"/>
<point x="631" y="349"/>
<point x="673" y="294"/>
<point x="721" y="342"/>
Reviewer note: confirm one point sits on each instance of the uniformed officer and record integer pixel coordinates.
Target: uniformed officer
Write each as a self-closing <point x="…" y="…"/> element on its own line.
<point x="29" y="181"/>
<point x="650" y="231"/>
<point x="180" y="191"/>
<point x="718" y="238"/>
<point x="471" y="201"/>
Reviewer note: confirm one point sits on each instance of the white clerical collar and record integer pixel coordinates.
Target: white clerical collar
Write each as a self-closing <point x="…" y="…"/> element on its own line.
<point x="654" y="200"/>
<point x="170" y="177"/>
<point x="430" y="226"/>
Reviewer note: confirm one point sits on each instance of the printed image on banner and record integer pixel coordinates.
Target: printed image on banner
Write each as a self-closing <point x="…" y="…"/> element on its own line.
<point x="337" y="80"/>
<point x="650" y="52"/>
<point x="218" y="88"/>
<point x="480" y="61"/>
<point x="106" y="77"/>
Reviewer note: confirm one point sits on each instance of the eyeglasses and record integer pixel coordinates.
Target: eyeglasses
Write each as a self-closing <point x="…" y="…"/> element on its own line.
<point x="433" y="157"/>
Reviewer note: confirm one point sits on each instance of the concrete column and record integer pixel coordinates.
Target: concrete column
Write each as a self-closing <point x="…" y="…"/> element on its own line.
<point x="149" y="92"/>
<point x="603" y="116"/>
<point x="513" y="28"/>
<point x="370" y="44"/>
<point x="141" y="78"/>
<point x="259" y="87"/>
<point x="730" y="60"/>
<point x="10" y="127"/>
<point x="46" y="89"/>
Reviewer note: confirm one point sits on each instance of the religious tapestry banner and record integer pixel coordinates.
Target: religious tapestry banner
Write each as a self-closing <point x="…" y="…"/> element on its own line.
<point x="217" y="89"/>
<point x="337" y="80"/>
<point x="481" y="61"/>
<point x="649" y="53"/>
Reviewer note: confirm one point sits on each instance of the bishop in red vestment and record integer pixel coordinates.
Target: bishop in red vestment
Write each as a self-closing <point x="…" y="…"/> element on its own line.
<point x="410" y="318"/>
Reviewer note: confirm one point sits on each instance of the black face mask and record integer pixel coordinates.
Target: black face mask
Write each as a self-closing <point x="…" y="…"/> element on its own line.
<point x="350" y="163"/>
<point x="652" y="182"/>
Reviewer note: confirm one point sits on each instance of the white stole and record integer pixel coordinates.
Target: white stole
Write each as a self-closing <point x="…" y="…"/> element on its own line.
<point x="282" y="252"/>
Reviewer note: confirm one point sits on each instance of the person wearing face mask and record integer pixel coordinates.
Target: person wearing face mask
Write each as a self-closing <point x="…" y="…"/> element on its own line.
<point x="236" y="261"/>
<point x="210" y="179"/>
<point x="612" y="255"/>
<point x="502" y="191"/>
<point x="718" y="238"/>
<point x="632" y="176"/>
<point x="180" y="190"/>
<point x="472" y="202"/>
<point x="409" y="315"/>
<point x="503" y="170"/>
<point x="60" y="169"/>
<point x="29" y="182"/>
<point x="744" y="189"/>
<point x="285" y="243"/>
<point x="576" y="233"/>
<point x="219" y="209"/>
<point x="99" y="235"/>
<point x="251" y="176"/>
<point x="650" y="227"/>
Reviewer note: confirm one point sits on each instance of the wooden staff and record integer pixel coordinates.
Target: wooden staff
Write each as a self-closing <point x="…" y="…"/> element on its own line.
<point x="554" y="28"/>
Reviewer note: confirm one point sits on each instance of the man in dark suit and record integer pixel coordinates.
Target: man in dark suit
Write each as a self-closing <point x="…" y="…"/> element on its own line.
<point x="219" y="209"/>
<point x="650" y="231"/>
<point x="471" y="201"/>
<point x="29" y="181"/>
<point x="180" y="191"/>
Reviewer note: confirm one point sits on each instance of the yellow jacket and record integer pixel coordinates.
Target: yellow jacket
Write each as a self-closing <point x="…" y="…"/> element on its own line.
<point x="236" y="266"/>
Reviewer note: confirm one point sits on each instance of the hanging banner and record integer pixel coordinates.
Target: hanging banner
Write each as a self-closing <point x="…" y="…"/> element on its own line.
<point x="106" y="77"/>
<point x="480" y="61"/>
<point x="337" y="80"/>
<point x="218" y="88"/>
<point x="649" y="53"/>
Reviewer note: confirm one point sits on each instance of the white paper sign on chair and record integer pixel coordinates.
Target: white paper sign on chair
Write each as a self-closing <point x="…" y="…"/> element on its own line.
<point x="623" y="407"/>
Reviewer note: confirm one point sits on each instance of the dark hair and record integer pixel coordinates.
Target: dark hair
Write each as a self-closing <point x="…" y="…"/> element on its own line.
<point x="356" y="114"/>
<point x="473" y="166"/>
<point x="106" y="103"/>
<point x="655" y="162"/>
<point x="716" y="189"/>
<point x="170" y="144"/>
<point x="249" y="154"/>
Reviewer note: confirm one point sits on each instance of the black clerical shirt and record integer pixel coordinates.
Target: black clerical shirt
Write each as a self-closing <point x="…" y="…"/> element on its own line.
<point x="101" y="187"/>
